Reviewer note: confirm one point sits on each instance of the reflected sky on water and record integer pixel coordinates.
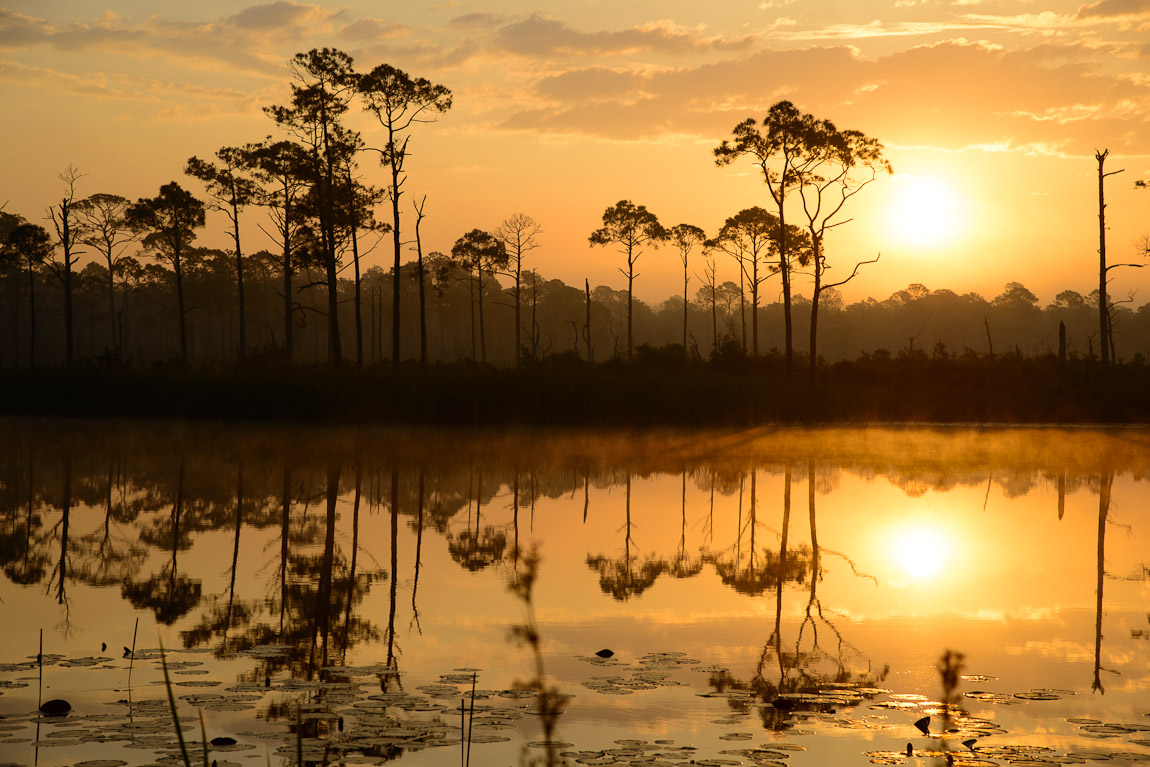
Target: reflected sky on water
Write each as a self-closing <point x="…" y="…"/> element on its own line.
<point x="773" y="586"/>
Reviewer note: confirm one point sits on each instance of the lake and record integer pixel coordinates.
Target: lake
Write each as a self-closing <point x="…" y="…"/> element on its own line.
<point x="768" y="596"/>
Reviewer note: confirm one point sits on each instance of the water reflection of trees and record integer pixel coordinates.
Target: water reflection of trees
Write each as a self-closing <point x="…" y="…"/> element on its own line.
<point x="106" y="512"/>
<point x="791" y="675"/>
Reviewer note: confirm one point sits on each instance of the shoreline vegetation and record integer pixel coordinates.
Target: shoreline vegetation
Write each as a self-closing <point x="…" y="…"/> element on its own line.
<point x="660" y="387"/>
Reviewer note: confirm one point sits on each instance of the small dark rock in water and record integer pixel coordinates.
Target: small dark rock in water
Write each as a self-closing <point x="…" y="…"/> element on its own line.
<point x="340" y="724"/>
<point x="127" y="652"/>
<point x="605" y="653"/>
<point x="103" y="646"/>
<point x="909" y="749"/>
<point x="55" y="707"/>
<point x="223" y="741"/>
<point x="923" y="725"/>
<point x="267" y="681"/>
<point x="969" y="743"/>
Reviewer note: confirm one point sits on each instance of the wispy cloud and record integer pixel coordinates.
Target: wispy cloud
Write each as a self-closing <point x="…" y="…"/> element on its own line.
<point x="1115" y="8"/>
<point x="187" y="100"/>
<point x="541" y="36"/>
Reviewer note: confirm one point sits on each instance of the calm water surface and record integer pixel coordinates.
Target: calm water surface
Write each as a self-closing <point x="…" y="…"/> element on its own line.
<point x="773" y="596"/>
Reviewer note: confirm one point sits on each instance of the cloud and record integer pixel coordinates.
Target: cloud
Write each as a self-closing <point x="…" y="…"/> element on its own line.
<point x="478" y="19"/>
<point x="176" y="100"/>
<point x="1049" y="98"/>
<point x="545" y="37"/>
<point x="1114" y="8"/>
<point x="279" y="15"/>
<point x="373" y="30"/>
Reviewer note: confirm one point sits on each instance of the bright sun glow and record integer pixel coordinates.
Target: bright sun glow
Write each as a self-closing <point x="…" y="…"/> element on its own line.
<point x="924" y="212"/>
<point x="920" y="551"/>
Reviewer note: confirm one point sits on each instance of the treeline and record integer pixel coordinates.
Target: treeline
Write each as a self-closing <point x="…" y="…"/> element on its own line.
<point x="137" y="327"/>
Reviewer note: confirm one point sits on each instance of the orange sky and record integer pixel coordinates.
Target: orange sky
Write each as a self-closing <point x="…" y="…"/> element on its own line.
<point x="990" y="112"/>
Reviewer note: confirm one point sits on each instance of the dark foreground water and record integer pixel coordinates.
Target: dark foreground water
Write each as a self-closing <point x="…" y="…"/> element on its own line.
<point x="770" y="596"/>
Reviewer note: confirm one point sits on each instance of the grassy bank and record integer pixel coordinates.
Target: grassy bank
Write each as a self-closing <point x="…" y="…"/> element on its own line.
<point x="656" y="389"/>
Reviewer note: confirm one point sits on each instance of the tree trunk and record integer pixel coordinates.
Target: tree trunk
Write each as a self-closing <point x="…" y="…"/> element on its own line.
<point x="587" y="325"/>
<point x="358" y="298"/>
<point x="240" y="280"/>
<point x="815" y="293"/>
<point x="685" y="279"/>
<point x="518" y="311"/>
<point x="422" y="288"/>
<point x="1103" y="323"/>
<point x="630" y="304"/>
<point x="69" y="322"/>
<point x="287" y="267"/>
<point x="714" y="321"/>
<point x="396" y="244"/>
<point x="180" y="309"/>
<point x="755" y="308"/>
<point x="31" y="316"/>
<point x="482" y="328"/>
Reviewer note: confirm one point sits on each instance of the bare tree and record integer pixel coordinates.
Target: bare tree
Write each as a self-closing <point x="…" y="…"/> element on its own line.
<point x="68" y="233"/>
<point x="105" y="228"/>
<point x="834" y="167"/>
<point x="685" y="238"/>
<point x="519" y="233"/>
<point x="419" y="204"/>
<point x="1105" y="327"/>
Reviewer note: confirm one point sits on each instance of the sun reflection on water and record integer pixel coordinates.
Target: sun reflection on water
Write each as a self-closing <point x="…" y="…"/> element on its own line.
<point x="920" y="550"/>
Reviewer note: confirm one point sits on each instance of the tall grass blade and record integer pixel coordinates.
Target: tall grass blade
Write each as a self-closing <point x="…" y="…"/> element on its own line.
<point x="203" y="735"/>
<point x="172" y="704"/>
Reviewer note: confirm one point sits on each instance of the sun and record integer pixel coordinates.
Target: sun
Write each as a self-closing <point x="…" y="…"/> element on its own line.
<point x="925" y="212"/>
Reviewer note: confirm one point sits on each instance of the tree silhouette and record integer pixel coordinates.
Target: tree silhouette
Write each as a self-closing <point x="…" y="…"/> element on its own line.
<point x="779" y="139"/>
<point x="480" y="252"/>
<point x="286" y="169"/>
<point x="68" y="235"/>
<point x="399" y="101"/>
<point x="748" y="237"/>
<point x="685" y="238"/>
<point x="230" y="193"/>
<point x="627" y="576"/>
<point x="104" y="227"/>
<point x="168" y="222"/>
<point x="167" y="593"/>
<point x="630" y="227"/>
<point x="519" y="233"/>
<point x="321" y="94"/>
<point x="29" y="246"/>
<point x="790" y="677"/>
<point x="832" y="167"/>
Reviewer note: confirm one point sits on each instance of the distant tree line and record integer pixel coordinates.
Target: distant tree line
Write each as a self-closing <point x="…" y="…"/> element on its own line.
<point x="125" y="317"/>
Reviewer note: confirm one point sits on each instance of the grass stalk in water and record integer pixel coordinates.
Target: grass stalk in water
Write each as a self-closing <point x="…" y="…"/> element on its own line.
<point x="547" y="699"/>
<point x="172" y="704"/>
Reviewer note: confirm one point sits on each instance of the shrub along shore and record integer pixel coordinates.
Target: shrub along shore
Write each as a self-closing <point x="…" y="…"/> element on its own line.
<point x="659" y="388"/>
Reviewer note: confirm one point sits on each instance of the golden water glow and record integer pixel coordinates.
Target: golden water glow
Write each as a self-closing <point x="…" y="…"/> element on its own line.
<point x="920" y="550"/>
<point x="924" y="212"/>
